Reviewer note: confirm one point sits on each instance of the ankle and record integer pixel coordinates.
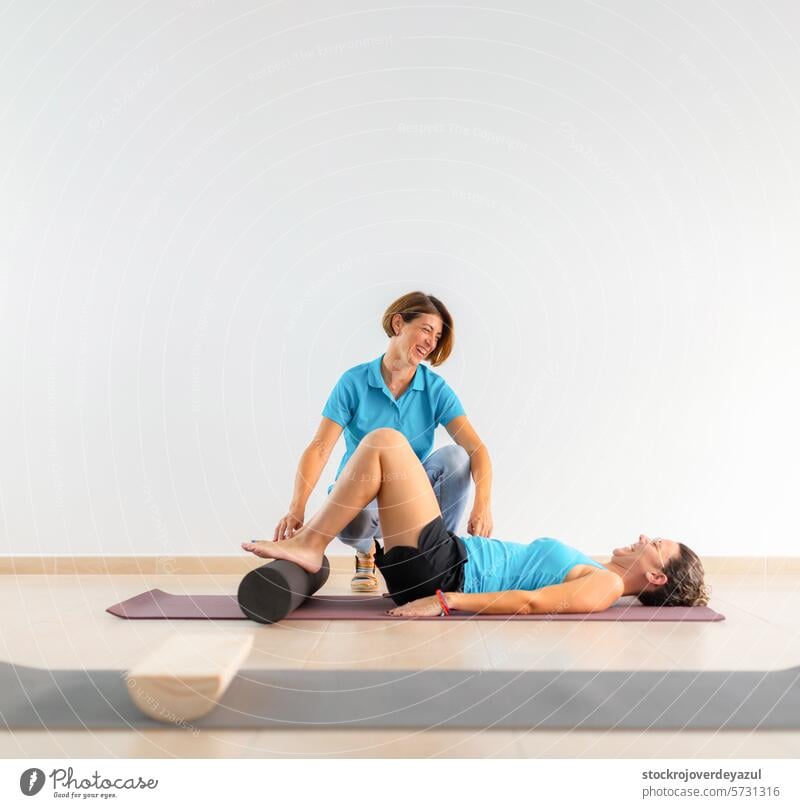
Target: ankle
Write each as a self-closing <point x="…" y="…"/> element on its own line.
<point x="315" y="539"/>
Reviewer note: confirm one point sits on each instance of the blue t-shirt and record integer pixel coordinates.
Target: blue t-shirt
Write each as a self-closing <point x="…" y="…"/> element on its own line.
<point x="498" y="566"/>
<point x="361" y="402"/>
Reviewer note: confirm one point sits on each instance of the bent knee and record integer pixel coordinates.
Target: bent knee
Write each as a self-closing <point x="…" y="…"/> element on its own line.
<point x="384" y="437"/>
<point x="455" y="455"/>
<point x="455" y="459"/>
<point x="363" y="526"/>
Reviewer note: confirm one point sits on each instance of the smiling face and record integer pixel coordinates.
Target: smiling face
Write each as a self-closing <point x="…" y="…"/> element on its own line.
<point x="646" y="558"/>
<point x="419" y="326"/>
<point x="417" y="338"/>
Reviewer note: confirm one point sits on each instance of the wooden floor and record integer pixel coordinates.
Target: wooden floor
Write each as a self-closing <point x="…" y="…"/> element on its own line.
<point x="58" y="621"/>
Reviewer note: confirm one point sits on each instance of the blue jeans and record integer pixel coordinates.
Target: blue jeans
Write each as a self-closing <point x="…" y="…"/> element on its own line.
<point x="448" y="470"/>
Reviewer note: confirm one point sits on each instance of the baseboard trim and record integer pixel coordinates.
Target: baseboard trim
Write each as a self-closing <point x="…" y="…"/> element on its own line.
<point x="240" y="565"/>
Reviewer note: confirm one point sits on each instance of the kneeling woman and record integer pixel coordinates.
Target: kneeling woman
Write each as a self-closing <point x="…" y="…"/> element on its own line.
<point x="429" y="570"/>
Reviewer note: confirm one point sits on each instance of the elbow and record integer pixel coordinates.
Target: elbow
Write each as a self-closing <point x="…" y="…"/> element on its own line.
<point x="564" y="605"/>
<point x="480" y="448"/>
<point x="319" y="449"/>
<point x="528" y="603"/>
<point x="588" y="605"/>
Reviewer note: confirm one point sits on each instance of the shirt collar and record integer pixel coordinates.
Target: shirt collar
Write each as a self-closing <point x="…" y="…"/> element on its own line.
<point x="375" y="377"/>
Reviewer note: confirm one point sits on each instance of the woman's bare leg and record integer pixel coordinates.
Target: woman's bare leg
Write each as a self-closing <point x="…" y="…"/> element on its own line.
<point x="383" y="465"/>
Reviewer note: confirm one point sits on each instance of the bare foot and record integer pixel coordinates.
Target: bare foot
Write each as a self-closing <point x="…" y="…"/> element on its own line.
<point x="298" y="549"/>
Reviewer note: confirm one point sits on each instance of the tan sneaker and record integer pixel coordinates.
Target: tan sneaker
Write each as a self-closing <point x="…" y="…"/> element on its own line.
<point x="366" y="578"/>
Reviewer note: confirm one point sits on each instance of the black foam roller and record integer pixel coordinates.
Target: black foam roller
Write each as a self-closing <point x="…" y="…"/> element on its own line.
<point x="269" y="593"/>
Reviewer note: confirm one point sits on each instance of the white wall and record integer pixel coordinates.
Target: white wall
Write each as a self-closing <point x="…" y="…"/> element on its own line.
<point x="207" y="205"/>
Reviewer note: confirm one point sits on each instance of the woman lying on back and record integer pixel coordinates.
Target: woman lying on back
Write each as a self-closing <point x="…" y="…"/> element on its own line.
<point x="430" y="570"/>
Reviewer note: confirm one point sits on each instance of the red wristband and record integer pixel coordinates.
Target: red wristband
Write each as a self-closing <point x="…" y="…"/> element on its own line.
<point x="440" y="596"/>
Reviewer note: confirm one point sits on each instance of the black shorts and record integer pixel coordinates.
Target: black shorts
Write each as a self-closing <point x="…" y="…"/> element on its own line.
<point x="437" y="562"/>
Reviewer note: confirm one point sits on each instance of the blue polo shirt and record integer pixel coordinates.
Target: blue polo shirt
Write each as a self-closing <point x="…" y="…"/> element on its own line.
<point x="361" y="402"/>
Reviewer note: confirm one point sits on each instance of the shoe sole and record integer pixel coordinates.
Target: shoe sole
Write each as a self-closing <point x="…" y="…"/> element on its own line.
<point x="363" y="586"/>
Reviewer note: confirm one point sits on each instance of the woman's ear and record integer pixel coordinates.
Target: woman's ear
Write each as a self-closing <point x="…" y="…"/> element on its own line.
<point x="656" y="577"/>
<point x="397" y="323"/>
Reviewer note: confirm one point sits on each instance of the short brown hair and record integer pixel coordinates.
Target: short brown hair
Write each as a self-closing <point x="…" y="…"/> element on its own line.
<point x="684" y="586"/>
<point x="410" y="307"/>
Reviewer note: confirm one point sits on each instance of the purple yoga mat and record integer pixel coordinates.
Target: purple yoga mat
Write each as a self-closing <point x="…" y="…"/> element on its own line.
<point x="157" y="604"/>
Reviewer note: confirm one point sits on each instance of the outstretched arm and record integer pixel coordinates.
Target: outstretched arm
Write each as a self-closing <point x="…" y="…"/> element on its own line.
<point x="309" y="469"/>
<point x="592" y="592"/>
<point x="464" y="434"/>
